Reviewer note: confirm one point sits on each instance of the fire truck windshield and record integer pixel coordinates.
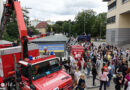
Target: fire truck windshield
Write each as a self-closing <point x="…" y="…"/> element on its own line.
<point x="42" y="69"/>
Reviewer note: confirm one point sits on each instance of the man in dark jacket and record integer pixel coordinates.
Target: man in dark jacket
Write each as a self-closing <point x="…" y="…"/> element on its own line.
<point x="94" y="73"/>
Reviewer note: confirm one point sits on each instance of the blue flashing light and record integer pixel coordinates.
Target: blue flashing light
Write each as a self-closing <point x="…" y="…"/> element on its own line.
<point x="51" y="53"/>
<point x="48" y="72"/>
<point x="30" y="58"/>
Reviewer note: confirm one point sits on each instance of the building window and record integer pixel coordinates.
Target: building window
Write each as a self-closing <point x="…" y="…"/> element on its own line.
<point x="112" y="6"/>
<point x="124" y="1"/>
<point x="111" y="20"/>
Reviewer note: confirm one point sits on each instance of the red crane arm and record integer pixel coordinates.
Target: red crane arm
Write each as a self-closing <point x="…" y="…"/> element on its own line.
<point x="20" y="20"/>
<point x="22" y="28"/>
<point x="15" y="5"/>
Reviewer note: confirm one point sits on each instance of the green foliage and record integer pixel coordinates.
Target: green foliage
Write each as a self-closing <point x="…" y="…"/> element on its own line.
<point x="49" y="28"/>
<point x="11" y="32"/>
<point x="57" y="28"/>
<point x="11" y="29"/>
<point x="86" y="21"/>
<point x="66" y="27"/>
<point x="34" y="31"/>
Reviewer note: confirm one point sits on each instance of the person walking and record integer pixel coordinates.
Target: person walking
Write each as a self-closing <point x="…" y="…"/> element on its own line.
<point x="88" y="66"/>
<point x="94" y="73"/>
<point x="77" y="75"/>
<point x="127" y="78"/>
<point x="98" y="65"/>
<point x="110" y="75"/>
<point x="103" y="79"/>
<point x="81" y="83"/>
<point x="118" y="83"/>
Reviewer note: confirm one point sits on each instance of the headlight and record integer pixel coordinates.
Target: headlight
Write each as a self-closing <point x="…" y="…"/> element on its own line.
<point x="57" y="88"/>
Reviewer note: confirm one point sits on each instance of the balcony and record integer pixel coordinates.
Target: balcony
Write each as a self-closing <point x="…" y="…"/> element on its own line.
<point x="112" y="6"/>
<point x="111" y="20"/>
<point x="124" y="1"/>
<point x="106" y="0"/>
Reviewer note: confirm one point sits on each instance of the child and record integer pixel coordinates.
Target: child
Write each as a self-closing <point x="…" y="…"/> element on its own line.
<point x="81" y="83"/>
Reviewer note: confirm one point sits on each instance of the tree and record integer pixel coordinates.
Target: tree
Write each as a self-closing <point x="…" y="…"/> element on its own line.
<point x="57" y="28"/>
<point x="65" y="27"/>
<point x="11" y="29"/>
<point x="49" y="28"/>
<point x="85" y="21"/>
<point x="103" y="20"/>
<point x="59" y="22"/>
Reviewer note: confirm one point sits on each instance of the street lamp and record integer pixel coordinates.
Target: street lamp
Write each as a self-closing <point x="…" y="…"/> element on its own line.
<point x="84" y="20"/>
<point x="84" y="15"/>
<point x="69" y="27"/>
<point x="101" y="23"/>
<point x="100" y="29"/>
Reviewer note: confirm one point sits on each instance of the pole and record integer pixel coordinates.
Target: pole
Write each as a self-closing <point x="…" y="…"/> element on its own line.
<point x="100" y="30"/>
<point x="69" y="28"/>
<point x="84" y="22"/>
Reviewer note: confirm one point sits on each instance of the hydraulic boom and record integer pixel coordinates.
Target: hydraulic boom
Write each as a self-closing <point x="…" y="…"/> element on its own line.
<point x="8" y="8"/>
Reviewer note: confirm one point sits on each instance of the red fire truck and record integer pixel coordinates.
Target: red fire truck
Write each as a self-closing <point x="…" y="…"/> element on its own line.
<point x="77" y="52"/>
<point x="21" y="67"/>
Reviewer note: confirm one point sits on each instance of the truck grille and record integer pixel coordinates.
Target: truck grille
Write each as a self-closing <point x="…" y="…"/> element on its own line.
<point x="67" y="86"/>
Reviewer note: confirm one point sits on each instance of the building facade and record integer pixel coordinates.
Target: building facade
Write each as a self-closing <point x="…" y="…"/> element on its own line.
<point x="118" y="22"/>
<point x="1" y="9"/>
<point x="41" y="27"/>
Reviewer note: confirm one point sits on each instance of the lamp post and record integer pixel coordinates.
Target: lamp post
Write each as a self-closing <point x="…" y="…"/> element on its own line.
<point x="70" y="28"/>
<point x="84" y="20"/>
<point x="101" y="24"/>
<point x="100" y="29"/>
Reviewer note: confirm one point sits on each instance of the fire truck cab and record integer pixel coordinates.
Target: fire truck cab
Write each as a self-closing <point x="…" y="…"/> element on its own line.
<point x="33" y="73"/>
<point x="45" y="74"/>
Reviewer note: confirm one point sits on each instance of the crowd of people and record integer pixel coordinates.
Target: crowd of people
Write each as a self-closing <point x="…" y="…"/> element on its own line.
<point x="105" y="62"/>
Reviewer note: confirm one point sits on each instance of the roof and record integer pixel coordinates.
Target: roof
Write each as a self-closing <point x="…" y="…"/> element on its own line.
<point x="41" y="25"/>
<point x="3" y="42"/>
<point x="17" y="49"/>
<point x="52" y="38"/>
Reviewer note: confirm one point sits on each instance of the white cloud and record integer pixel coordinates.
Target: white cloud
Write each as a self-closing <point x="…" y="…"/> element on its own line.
<point x="61" y="9"/>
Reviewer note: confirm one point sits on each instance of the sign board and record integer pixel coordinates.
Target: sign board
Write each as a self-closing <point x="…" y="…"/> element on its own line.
<point x="52" y="47"/>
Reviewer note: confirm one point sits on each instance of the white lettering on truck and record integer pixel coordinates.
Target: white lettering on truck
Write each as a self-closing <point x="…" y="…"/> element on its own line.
<point x="53" y="81"/>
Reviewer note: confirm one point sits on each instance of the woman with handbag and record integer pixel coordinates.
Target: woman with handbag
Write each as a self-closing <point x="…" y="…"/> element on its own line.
<point x="103" y="79"/>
